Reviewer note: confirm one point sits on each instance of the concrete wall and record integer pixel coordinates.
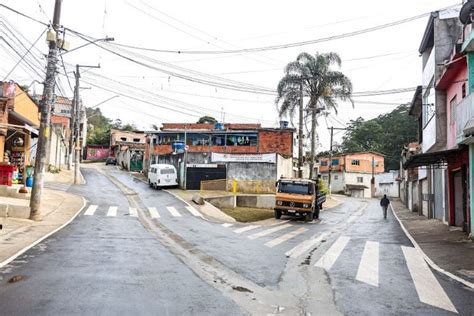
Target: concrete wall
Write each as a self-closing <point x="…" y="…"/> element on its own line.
<point x="284" y="167"/>
<point x="337" y="181"/>
<point x="58" y="150"/>
<point x="386" y="183"/>
<point x="257" y="201"/>
<point x="351" y="178"/>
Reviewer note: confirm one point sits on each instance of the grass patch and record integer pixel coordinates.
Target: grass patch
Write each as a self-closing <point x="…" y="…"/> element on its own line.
<point x="248" y="214"/>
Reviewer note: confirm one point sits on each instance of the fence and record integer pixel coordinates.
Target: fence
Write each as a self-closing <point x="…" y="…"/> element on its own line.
<point x="239" y="186"/>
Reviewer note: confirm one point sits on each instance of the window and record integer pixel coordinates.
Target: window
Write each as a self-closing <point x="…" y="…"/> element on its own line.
<point x="355" y="162"/>
<point x="167" y="171"/>
<point x="335" y="162"/>
<point x="124" y="139"/>
<point x="463" y="90"/>
<point x="360" y="180"/>
<point x="197" y="139"/>
<point x="324" y="163"/>
<point x="428" y="103"/>
<point x="336" y="177"/>
<point x="167" y="139"/>
<point x="294" y="188"/>
<point x="241" y="140"/>
<point x="452" y="106"/>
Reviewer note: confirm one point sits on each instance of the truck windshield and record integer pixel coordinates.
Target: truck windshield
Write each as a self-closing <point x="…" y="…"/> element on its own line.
<point x="294" y="188"/>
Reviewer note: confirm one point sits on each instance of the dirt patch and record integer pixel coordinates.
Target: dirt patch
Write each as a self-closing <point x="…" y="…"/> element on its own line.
<point x="16" y="278"/>
<point x="248" y="214"/>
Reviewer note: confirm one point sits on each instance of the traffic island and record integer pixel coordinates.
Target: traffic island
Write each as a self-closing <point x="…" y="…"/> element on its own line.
<point x="18" y="235"/>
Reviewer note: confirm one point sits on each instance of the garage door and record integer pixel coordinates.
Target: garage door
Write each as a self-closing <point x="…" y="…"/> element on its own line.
<point x="195" y="175"/>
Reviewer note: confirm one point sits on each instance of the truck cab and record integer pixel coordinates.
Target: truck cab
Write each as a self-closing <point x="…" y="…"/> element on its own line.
<point x="298" y="198"/>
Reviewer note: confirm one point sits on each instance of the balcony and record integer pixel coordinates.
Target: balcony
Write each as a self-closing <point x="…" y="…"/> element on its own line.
<point x="464" y="112"/>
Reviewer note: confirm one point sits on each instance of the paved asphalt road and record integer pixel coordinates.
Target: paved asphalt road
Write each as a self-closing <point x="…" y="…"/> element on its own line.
<point x="142" y="251"/>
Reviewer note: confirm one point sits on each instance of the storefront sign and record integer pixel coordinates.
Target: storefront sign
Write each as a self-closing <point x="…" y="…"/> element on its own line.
<point x="269" y="158"/>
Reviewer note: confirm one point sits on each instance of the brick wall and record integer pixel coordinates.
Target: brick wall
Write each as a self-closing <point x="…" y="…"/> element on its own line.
<point x="276" y="141"/>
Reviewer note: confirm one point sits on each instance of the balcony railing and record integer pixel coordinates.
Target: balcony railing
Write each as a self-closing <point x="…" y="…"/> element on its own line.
<point x="464" y="112"/>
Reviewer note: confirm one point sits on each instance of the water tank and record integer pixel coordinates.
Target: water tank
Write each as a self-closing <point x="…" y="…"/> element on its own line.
<point x="284" y="124"/>
<point x="178" y="146"/>
<point x="219" y="126"/>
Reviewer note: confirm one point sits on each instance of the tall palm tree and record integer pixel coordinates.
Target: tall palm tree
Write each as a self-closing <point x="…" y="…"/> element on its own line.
<point x="318" y="82"/>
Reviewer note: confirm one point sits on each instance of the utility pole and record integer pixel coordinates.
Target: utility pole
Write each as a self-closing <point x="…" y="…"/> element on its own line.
<point x="372" y="182"/>
<point x="300" y="135"/>
<point x="330" y="161"/>
<point x="77" y="121"/>
<point x="185" y="158"/>
<point x="44" y="130"/>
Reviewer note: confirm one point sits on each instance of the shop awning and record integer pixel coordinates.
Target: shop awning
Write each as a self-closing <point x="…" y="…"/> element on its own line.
<point x="356" y="187"/>
<point x="26" y="123"/>
<point x="429" y="159"/>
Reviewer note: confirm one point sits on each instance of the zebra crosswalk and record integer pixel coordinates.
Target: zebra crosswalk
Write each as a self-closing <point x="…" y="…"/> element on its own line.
<point x="153" y="212"/>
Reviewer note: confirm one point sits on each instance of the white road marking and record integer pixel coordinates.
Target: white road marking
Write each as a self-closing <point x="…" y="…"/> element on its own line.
<point x="329" y="258"/>
<point x="91" y="210"/>
<point x="268" y="231"/>
<point x="193" y="211"/>
<point x="173" y="211"/>
<point x="153" y="212"/>
<point x="133" y="212"/>
<point x="227" y="225"/>
<point x="285" y="237"/>
<point x="279" y="223"/>
<point x="305" y="246"/>
<point x="112" y="211"/>
<point x="427" y="286"/>
<point x="245" y="229"/>
<point x="369" y="264"/>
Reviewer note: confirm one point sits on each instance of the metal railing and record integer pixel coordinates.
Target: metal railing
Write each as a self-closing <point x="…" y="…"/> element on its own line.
<point x="239" y="186"/>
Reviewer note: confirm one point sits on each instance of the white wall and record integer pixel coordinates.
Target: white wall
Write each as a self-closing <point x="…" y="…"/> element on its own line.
<point x="284" y="166"/>
<point x="385" y="183"/>
<point x="351" y="178"/>
<point x="337" y="181"/>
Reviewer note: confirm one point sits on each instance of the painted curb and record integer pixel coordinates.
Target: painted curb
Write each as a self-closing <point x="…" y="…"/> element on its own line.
<point x="428" y="259"/>
<point x="22" y="251"/>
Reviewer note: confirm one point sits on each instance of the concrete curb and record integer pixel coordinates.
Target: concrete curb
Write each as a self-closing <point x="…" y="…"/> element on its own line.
<point x="428" y="259"/>
<point x="22" y="251"/>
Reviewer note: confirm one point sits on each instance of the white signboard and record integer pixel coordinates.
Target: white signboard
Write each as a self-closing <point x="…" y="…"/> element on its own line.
<point x="270" y="158"/>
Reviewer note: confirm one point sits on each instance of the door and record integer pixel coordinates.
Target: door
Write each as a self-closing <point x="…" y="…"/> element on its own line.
<point x="136" y="161"/>
<point x="194" y="176"/>
<point x="458" y="199"/>
<point x="357" y="193"/>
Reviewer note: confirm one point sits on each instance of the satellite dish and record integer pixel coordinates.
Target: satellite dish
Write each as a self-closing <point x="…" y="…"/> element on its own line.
<point x="466" y="11"/>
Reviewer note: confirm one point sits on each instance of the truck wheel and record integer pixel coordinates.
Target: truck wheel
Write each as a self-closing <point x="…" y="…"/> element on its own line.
<point x="277" y="214"/>
<point x="308" y="217"/>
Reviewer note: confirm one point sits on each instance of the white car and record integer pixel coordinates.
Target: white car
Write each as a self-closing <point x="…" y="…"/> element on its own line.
<point x="162" y="175"/>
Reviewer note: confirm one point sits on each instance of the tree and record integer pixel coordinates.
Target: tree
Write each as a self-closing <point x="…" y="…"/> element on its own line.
<point x="314" y="76"/>
<point x="386" y="134"/>
<point x="206" y="120"/>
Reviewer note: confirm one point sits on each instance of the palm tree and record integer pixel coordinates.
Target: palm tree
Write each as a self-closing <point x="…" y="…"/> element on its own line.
<point x="318" y="82"/>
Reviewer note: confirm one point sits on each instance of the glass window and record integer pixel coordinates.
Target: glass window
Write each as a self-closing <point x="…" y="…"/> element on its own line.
<point x="124" y="139"/>
<point x="167" y="171"/>
<point x="355" y="162"/>
<point x="324" y="163"/>
<point x="136" y="140"/>
<point x="167" y="139"/>
<point x="360" y="180"/>
<point x="335" y="162"/>
<point x="294" y="188"/>
<point x="452" y="105"/>
<point x="463" y="90"/>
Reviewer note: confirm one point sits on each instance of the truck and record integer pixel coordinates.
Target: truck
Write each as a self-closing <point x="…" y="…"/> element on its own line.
<point x="298" y="198"/>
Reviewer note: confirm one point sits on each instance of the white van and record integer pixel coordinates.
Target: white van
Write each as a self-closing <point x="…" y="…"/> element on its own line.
<point x="162" y="175"/>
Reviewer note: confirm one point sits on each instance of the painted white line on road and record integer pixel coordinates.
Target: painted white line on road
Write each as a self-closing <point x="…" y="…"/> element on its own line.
<point x="227" y="225"/>
<point x="173" y="211"/>
<point x="268" y="231"/>
<point x="427" y="286"/>
<point x="153" y="212"/>
<point x="329" y="258"/>
<point x="193" y="211"/>
<point x="112" y="211"/>
<point x="245" y="229"/>
<point x="279" y="223"/>
<point x="428" y="259"/>
<point x="285" y="237"/>
<point x="133" y="212"/>
<point x="91" y="210"/>
<point x="368" y="271"/>
<point x="305" y="246"/>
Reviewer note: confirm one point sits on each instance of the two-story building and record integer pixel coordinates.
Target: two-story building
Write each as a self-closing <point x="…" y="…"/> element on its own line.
<point x="222" y="151"/>
<point x="353" y="173"/>
<point x="129" y="148"/>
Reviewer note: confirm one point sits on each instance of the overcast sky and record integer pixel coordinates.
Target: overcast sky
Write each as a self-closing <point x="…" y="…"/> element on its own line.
<point x="380" y="60"/>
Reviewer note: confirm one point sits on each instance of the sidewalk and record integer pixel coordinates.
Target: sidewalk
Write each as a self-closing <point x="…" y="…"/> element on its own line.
<point x="450" y="249"/>
<point x="58" y="208"/>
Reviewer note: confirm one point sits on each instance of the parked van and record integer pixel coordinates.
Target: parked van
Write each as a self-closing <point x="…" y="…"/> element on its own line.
<point x="162" y="175"/>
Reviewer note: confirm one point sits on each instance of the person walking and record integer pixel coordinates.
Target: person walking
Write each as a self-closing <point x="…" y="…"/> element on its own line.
<point x="384" y="202"/>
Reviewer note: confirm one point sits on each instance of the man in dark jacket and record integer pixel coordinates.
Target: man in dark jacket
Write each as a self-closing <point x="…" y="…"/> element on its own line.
<point x="384" y="202"/>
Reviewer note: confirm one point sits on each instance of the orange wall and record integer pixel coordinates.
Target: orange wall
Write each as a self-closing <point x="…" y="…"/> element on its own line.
<point x="365" y="166"/>
<point x="26" y="107"/>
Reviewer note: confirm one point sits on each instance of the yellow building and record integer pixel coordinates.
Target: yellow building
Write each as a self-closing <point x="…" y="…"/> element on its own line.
<point x="19" y="123"/>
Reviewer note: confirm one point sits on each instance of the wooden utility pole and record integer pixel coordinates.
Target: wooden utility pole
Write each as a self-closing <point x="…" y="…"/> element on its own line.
<point x="45" y="122"/>
<point x="300" y="134"/>
<point x="330" y="160"/>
